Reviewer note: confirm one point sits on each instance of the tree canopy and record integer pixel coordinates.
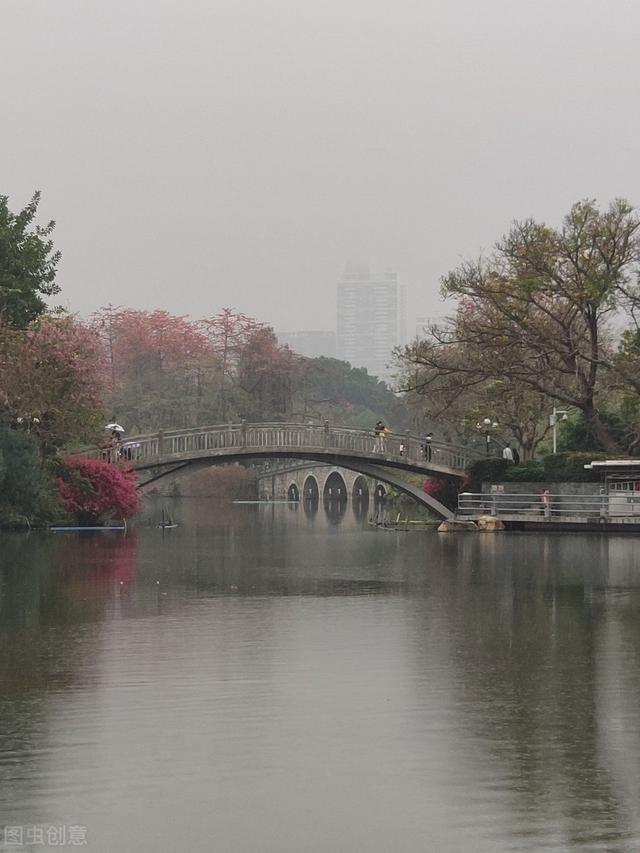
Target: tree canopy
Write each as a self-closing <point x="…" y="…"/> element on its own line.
<point x="535" y="314"/>
<point x="333" y="389"/>
<point x="51" y="376"/>
<point x="162" y="370"/>
<point x="28" y="264"/>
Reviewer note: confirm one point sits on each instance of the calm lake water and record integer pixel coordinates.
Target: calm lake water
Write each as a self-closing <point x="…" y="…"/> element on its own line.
<point x="263" y="679"/>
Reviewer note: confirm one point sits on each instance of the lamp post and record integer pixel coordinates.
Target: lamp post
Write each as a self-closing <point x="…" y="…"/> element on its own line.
<point x="553" y="420"/>
<point x="485" y="426"/>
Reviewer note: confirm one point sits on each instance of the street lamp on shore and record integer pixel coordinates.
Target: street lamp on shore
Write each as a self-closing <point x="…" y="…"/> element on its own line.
<point x="485" y="426"/>
<point x="553" y="420"/>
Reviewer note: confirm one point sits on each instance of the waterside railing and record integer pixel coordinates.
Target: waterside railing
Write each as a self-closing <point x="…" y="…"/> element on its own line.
<point x="549" y="505"/>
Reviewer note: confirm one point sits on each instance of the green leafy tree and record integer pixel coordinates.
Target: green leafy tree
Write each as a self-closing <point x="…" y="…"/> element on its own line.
<point x="575" y="434"/>
<point x="332" y="389"/>
<point x="534" y="313"/>
<point x="28" y="264"/>
<point x="25" y="487"/>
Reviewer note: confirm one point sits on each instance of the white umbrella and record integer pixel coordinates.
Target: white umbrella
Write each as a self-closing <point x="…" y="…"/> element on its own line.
<point x="114" y="428"/>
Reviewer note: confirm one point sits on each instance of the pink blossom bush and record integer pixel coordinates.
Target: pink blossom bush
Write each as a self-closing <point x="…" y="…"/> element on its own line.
<point x="95" y="491"/>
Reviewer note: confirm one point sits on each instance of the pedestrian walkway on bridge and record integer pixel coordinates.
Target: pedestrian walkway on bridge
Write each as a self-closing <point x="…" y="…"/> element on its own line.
<point x="324" y="443"/>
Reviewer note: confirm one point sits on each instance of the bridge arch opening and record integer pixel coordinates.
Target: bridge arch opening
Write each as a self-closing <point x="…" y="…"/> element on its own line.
<point x="335" y="488"/>
<point x="335" y="497"/>
<point x="360" y="496"/>
<point x="360" y="488"/>
<point x="293" y="492"/>
<point x="311" y="492"/>
<point x="379" y="494"/>
<point x="310" y="496"/>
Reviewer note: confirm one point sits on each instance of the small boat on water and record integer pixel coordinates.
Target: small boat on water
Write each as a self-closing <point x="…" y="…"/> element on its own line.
<point x="167" y="522"/>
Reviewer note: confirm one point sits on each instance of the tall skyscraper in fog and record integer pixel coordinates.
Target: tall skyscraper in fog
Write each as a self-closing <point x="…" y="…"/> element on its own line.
<point x="370" y="318"/>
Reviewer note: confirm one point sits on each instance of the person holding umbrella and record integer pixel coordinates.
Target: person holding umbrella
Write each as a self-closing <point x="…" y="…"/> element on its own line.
<point x="113" y="454"/>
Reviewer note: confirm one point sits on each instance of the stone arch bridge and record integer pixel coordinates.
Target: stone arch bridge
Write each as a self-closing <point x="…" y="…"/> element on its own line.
<point x="316" y="481"/>
<point x="168" y="451"/>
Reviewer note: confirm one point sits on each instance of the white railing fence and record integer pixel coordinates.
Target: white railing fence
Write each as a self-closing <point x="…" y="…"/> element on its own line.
<point x="558" y="506"/>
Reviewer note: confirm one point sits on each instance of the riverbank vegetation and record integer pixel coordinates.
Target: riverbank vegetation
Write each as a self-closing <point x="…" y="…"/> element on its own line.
<point x="50" y="390"/>
<point x="62" y="378"/>
<point x="553" y="468"/>
<point x="27" y="491"/>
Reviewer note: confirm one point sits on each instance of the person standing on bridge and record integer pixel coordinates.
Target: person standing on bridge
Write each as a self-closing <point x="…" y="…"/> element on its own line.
<point x="379" y="431"/>
<point x="116" y="447"/>
<point x="427" y="446"/>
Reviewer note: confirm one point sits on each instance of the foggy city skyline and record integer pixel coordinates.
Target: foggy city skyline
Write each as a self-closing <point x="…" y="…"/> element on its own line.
<point x="203" y="155"/>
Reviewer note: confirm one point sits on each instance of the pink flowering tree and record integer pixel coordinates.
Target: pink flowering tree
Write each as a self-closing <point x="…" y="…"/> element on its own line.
<point x="95" y="491"/>
<point x="160" y="369"/>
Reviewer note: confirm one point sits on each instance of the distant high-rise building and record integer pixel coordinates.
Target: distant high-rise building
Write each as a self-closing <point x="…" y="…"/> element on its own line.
<point x="370" y="318"/>
<point x="402" y="315"/>
<point x="310" y="344"/>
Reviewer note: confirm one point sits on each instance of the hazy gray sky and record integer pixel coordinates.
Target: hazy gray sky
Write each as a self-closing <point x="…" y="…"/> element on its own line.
<point x="198" y="154"/>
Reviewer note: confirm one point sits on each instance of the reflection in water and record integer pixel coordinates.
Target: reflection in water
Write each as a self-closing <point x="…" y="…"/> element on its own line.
<point x="360" y="507"/>
<point x="335" y="497"/>
<point x="537" y="714"/>
<point x="236" y="680"/>
<point x="310" y="507"/>
<point x="335" y="510"/>
<point x="102" y="558"/>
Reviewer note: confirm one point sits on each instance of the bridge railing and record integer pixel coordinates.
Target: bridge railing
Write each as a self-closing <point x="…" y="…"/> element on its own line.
<point x="200" y="441"/>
